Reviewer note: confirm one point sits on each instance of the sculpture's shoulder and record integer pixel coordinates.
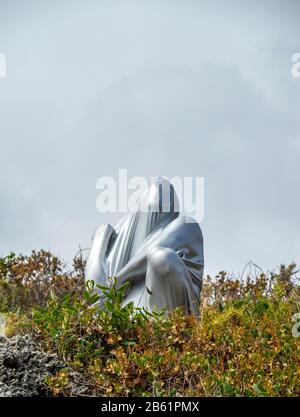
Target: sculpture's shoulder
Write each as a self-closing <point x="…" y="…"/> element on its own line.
<point x="103" y="229"/>
<point x="184" y="231"/>
<point x="187" y="223"/>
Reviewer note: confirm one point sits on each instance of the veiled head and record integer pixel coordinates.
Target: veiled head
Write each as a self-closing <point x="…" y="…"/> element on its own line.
<point x="159" y="203"/>
<point x="156" y="208"/>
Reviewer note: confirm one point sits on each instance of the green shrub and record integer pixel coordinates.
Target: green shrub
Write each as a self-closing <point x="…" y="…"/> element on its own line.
<point x="242" y="345"/>
<point x="26" y="281"/>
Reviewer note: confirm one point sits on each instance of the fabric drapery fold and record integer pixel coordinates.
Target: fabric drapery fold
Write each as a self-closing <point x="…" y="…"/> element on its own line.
<point x="155" y="248"/>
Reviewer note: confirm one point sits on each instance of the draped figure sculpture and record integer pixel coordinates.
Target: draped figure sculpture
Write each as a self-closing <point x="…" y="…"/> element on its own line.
<point x="156" y="250"/>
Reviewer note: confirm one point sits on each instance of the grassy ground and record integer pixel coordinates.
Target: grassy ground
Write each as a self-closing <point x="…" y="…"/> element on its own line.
<point x="245" y="344"/>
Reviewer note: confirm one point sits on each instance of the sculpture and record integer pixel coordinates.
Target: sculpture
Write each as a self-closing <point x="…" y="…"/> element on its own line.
<point x="159" y="253"/>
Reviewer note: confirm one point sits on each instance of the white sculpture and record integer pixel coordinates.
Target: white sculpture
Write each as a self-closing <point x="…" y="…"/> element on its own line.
<point x="159" y="253"/>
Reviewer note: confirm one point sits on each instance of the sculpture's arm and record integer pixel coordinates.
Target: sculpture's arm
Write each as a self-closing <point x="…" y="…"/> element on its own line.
<point x="137" y="266"/>
<point x="185" y="238"/>
<point x="95" y="265"/>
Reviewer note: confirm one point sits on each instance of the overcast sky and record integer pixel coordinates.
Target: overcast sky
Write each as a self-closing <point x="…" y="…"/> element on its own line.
<point x="186" y="88"/>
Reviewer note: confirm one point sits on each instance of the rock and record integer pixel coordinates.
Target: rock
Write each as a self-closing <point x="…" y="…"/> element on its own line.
<point x="10" y="362"/>
<point x="24" y="367"/>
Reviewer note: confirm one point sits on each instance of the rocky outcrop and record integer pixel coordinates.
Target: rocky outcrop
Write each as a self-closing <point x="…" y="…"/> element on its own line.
<point x="24" y="367"/>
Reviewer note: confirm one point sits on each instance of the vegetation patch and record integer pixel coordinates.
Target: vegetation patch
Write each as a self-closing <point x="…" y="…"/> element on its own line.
<point x="244" y="344"/>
